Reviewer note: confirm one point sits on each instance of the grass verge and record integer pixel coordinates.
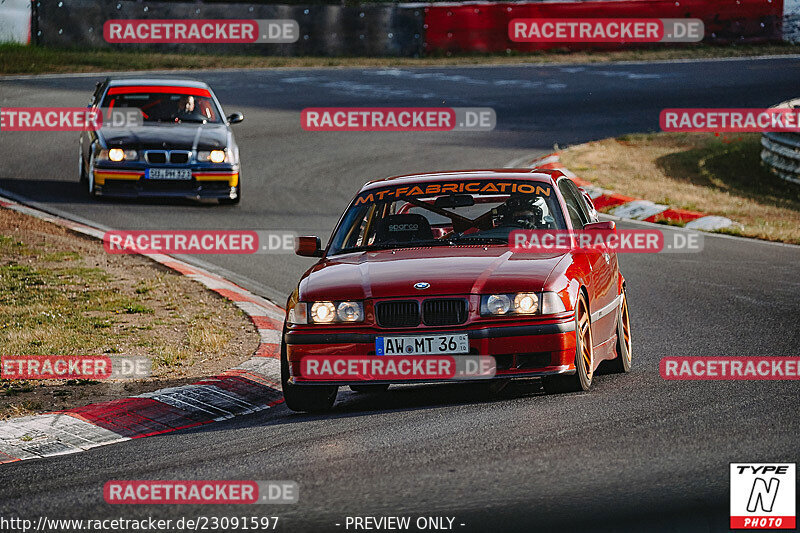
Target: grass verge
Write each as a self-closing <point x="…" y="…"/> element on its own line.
<point x="61" y="294"/>
<point x="19" y="59"/>
<point x="719" y="175"/>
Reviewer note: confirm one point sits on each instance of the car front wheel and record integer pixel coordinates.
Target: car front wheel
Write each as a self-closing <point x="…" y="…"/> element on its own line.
<point x="90" y="189"/>
<point x="305" y="398"/>
<point x="581" y="380"/>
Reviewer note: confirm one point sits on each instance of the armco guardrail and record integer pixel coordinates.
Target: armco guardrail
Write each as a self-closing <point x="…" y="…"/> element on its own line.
<point x="781" y="154"/>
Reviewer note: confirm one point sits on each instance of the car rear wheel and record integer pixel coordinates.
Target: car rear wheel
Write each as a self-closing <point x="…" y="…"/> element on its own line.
<point x="305" y="398"/>
<point x="370" y="389"/>
<point x="581" y="380"/>
<point x="622" y="363"/>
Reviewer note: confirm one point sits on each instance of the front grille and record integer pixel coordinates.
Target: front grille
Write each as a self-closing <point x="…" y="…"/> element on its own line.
<point x="444" y="312"/>
<point x="161" y="157"/>
<point x="397" y="314"/>
<point x="157" y="157"/>
<point x="179" y="158"/>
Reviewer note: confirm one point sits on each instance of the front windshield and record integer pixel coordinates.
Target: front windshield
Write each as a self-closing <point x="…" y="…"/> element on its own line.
<point x="446" y="214"/>
<point x="165" y="104"/>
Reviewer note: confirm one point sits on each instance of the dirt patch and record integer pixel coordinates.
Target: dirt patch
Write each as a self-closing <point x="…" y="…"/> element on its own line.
<point x="62" y="294"/>
<point x="715" y="174"/>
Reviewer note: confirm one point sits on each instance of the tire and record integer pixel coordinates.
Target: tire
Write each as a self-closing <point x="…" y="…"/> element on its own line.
<point x="233" y="201"/>
<point x="308" y="398"/>
<point x="581" y="380"/>
<point x="370" y="389"/>
<point x="90" y="190"/>
<point x="81" y="169"/>
<point x="622" y="363"/>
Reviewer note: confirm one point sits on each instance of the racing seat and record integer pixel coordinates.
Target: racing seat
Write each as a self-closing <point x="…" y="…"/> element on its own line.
<point x="403" y="228"/>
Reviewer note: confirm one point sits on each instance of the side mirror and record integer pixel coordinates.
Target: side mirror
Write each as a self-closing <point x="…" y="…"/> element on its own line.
<point x="607" y="225"/>
<point x="235" y="118"/>
<point x="308" y="246"/>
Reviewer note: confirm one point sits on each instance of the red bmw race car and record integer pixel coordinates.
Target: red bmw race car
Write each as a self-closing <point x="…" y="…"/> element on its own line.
<point x="426" y="258"/>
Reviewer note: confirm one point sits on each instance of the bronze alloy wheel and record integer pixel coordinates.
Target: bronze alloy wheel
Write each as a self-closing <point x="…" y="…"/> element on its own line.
<point x="581" y="379"/>
<point x="585" y="345"/>
<point x="622" y="363"/>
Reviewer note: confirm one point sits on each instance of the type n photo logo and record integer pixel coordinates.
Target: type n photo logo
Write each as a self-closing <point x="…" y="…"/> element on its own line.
<point x="763" y="495"/>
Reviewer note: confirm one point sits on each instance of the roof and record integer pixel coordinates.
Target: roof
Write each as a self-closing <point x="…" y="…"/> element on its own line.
<point x="516" y="174"/>
<point x="175" y="82"/>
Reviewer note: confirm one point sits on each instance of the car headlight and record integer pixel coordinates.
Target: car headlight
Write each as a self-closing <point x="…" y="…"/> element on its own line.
<point x="326" y="312"/>
<point x="521" y="303"/>
<point x="117" y="155"/>
<point x="497" y="304"/>
<point x="322" y="312"/>
<point x="526" y="303"/>
<point x="215" y="156"/>
<point x="350" y="312"/>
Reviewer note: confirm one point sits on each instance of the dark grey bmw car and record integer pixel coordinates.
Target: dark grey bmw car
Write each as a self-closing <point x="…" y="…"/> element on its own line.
<point x="182" y="145"/>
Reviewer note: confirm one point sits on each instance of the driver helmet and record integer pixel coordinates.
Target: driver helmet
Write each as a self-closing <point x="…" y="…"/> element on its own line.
<point x="523" y="211"/>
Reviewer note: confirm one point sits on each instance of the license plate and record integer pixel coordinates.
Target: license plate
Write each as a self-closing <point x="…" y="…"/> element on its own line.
<point x="168" y="174"/>
<point x="422" y="345"/>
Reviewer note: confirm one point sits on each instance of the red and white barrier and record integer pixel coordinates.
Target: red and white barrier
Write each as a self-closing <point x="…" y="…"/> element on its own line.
<point x="483" y="27"/>
<point x="628" y="207"/>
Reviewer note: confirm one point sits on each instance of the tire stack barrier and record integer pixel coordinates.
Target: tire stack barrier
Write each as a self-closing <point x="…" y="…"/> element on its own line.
<point x="407" y="29"/>
<point x="325" y="30"/>
<point x="781" y="153"/>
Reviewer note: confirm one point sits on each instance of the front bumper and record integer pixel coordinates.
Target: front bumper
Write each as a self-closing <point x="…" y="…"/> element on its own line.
<point x="520" y="350"/>
<point x="131" y="183"/>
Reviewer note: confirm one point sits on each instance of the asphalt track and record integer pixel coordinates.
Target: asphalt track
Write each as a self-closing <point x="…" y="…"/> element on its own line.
<point x="634" y="453"/>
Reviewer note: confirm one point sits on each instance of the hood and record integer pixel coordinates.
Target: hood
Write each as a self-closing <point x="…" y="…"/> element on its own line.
<point x="449" y="270"/>
<point x="166" y="135"/>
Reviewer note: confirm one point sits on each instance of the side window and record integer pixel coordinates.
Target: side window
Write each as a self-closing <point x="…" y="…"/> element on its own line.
<point x="572" y="197"/>
<point x="588" y="206"/>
